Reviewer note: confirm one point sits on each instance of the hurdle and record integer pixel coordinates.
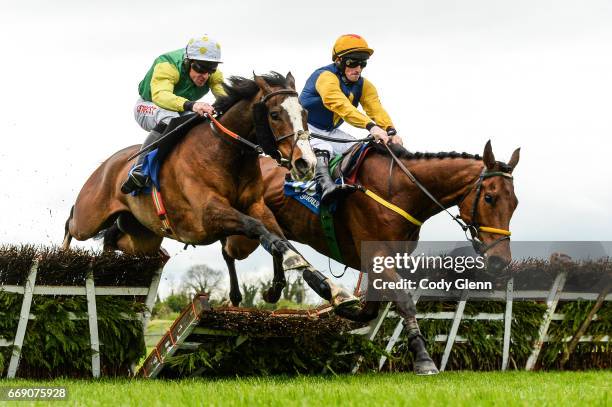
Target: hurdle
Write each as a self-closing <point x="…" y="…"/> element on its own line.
<point x="553" y="296"/>
<point x="30" y="289"/>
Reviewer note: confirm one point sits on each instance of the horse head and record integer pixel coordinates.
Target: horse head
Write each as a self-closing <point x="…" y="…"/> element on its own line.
<point x="281" y="127"/>
<point x="488" y="207"/>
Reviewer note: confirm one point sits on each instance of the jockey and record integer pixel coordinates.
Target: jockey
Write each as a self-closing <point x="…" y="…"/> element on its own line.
<point x="171" y="88"/>
<point x="331" y="96"/>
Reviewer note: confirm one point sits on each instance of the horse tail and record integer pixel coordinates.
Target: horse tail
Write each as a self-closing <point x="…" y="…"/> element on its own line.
<point x="67" y="235"/>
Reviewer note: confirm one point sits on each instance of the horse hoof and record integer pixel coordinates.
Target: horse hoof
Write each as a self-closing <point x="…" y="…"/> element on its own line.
<point x="270" y="298"/>
<point x="425" y="367"/>
<point x="293" y="261"/>
<point x="344" y="299"/>
<point x="351" y="312"/>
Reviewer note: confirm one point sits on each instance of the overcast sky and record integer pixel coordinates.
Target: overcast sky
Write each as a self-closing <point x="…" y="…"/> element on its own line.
<point x="452" y="74"/>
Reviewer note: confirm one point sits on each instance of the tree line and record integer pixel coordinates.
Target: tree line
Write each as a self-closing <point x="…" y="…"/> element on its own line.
<point x="204" y="279"/>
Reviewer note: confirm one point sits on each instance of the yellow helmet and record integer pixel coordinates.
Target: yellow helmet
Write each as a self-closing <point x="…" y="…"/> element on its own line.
<point x="348" y="43"/>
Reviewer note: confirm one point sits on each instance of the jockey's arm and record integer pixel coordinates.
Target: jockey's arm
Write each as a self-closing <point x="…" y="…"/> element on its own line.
<point x="215" y="82"/>
<point x="165" y="76"/>
<point x="372" y="106"/>
<point x="328" y="87"/>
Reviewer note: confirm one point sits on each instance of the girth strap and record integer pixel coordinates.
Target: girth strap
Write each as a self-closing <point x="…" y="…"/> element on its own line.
<point x="327" y="223"/>
<point x="160" y="209"/>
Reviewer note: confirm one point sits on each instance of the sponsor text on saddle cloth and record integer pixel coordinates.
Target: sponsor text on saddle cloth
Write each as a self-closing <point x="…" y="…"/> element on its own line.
<point x="343" y="168"/>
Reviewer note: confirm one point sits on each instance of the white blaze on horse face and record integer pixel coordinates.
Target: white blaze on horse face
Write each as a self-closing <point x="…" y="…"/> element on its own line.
<point x="294" y="110"/>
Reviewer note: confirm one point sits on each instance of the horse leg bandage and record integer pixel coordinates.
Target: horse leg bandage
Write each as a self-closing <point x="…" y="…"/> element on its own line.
<point x="318" y="283"/>
<point x="412" y="327"/>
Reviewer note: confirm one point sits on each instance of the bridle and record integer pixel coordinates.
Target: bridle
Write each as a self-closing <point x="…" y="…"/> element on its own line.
<point x="473" y="226"/>
<point x="273" y="151"/>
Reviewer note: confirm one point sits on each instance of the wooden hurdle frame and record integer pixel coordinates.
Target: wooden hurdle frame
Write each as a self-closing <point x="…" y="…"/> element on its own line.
<point x="553" y="296"/>
<point x="30" y="289"/>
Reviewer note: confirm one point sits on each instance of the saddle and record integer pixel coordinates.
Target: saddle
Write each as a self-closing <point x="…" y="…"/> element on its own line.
<point x="346" y="165"/>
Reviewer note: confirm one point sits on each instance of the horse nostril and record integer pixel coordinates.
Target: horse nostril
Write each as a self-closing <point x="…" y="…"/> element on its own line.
<point x="301" y="165"/>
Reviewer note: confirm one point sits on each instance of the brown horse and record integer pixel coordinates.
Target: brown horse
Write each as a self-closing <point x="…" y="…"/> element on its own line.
<point x="212" y="184"/>
<point x="481" y="187"/>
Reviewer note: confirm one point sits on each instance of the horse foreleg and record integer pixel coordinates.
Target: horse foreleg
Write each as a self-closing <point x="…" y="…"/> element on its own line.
<point x="261" y="225"/>
<point x="323" y="286"/>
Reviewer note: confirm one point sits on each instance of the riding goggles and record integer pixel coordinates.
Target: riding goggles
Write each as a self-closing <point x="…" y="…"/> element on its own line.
<point x="353" y="63"/>
<point x="203" y="67"/>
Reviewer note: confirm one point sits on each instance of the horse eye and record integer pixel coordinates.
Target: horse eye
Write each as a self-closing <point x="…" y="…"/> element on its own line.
<point x="488" y="199"/>
<point x="275" y="115"/>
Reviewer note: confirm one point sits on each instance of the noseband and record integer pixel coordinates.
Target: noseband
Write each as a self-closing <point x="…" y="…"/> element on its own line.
<point x="474" y="227"/>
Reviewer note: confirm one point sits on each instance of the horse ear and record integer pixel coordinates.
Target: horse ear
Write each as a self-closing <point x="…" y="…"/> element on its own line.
<point x="263" y="85"/>
<point x="290" y="80"/>
<point x="488" y="157"/>
<point x="515" y="158"/>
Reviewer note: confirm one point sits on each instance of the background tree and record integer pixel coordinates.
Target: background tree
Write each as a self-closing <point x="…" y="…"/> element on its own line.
<point x="203" y="279"/>
<point x="249" y="292"/>
<point x="177" y="301"/>
<point x="294" y="290"/>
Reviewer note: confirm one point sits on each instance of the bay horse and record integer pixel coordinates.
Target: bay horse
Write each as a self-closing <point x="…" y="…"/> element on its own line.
<point x="481" y="187"/>
<point x="212" y="184"/>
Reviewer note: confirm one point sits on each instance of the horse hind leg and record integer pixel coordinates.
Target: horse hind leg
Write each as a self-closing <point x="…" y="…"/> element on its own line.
<point x="235" y="294"/>
<point x="111" y="237"/>
<point x="273" y="294"/>
<point x="128" y="235"/>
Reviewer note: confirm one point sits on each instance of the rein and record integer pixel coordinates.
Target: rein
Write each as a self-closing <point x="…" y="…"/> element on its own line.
<point x="255" y="147"/>
<point x="154" y="145"/>
<point x="235" y="136"/>
<point x="258" y="148"/>
<point x="473" y="226"/>
<point x="341" y="140"/>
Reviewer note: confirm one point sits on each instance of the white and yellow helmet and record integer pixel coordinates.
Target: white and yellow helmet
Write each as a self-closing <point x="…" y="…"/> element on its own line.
<point x="203" y="49"/>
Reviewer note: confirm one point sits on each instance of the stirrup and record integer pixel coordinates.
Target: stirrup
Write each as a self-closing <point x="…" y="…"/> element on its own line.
<point x="337" y="192"/>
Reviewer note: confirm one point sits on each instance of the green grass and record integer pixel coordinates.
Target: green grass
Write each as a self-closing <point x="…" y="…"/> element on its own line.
<point x="451" y="388"/>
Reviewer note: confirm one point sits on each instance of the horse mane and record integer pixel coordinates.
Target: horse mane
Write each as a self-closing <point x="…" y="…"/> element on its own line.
<point x="401" y="152"/>
<point x="240" y="88"/>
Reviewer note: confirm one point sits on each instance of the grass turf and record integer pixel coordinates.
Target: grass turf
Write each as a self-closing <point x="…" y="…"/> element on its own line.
<point x="450" y="388"/>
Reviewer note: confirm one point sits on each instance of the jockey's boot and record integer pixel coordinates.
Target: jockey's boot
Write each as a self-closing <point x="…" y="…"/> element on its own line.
<point x="330" y="191"/>
<point x="136" y="179"/>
